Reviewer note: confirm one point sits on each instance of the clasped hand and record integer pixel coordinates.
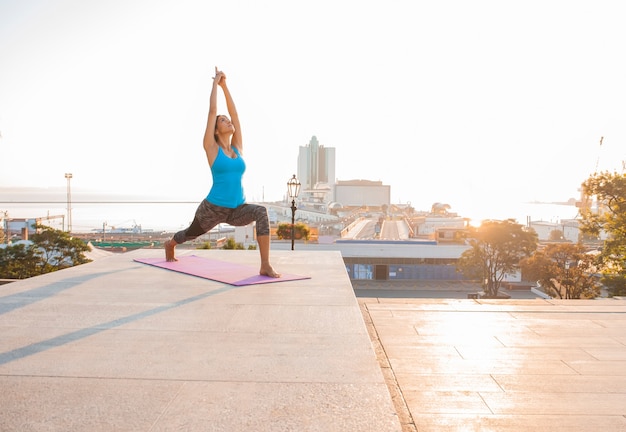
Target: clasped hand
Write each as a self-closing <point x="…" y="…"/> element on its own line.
<point x="220" y="77"/>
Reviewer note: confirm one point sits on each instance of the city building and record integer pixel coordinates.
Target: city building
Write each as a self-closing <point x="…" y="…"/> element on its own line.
<point x="568" y="229"/>
<point x="23" y="227"/>
<point x="362" y="193"/>
<point x="320" y="191"/>
<point x="316" y="173"/>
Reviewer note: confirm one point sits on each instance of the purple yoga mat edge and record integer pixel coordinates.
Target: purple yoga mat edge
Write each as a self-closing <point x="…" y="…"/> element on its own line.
<point x="218" y="270"/>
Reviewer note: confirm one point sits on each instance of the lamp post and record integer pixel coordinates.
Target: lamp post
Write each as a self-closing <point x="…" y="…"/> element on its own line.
<point x="293" y="189"/>
<point x="68" y="176"/>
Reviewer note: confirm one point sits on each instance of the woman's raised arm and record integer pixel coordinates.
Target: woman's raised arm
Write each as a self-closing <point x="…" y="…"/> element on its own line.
<point x="236" y="140"/>
<point x="209" y="143"/>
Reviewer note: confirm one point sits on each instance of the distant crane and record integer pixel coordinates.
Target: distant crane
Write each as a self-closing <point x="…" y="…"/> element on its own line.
<point x="598" y="159"/>
<point x="585" y="201"/>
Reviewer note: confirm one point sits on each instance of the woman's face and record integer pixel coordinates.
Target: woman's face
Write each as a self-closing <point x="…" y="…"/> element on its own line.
<point x="223" y="125"/>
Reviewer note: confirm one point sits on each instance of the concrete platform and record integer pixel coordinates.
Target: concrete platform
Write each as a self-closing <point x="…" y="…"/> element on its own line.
<point x="119" y="346"/>
<point x="503" y="365"/>
<point x="115" y="345"/>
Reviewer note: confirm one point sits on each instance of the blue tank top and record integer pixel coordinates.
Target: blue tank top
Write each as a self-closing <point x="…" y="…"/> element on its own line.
<point x="227" y="189"/>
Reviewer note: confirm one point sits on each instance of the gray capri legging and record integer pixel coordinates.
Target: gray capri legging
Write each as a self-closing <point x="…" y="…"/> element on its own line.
<point x="209" y="215"/>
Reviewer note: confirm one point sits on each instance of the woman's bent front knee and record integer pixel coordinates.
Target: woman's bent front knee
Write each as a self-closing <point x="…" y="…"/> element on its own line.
<point x="262" y="221"/>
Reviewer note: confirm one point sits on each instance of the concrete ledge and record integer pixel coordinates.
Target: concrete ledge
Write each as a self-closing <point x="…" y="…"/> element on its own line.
<point x="118" y="345"/>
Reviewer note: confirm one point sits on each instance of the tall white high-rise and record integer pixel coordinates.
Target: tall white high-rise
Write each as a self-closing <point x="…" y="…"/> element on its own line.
<point x="316" y="165"/>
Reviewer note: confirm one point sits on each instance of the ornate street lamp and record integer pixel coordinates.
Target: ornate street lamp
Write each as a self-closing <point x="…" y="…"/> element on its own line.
<point x="293" y="189"/>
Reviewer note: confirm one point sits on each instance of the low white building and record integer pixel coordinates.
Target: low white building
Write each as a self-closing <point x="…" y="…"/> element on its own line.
<point x="245" y="235"/>
<point x="357" y="193"/>
<point x="429" y="225"/>
<point x="568" y="228"/>
<point x="282" y="213"/>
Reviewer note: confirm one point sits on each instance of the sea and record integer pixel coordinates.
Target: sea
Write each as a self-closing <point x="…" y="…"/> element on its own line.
<point x="97" y="212"/>
<point x="110" y="215"/>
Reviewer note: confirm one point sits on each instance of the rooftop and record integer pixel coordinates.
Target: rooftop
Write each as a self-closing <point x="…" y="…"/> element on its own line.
<point x="118" y="345"/>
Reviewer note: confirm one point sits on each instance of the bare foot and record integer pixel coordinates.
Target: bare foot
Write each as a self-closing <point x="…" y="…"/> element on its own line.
<point x="268" y="270"/>
<point x="169" y="251"/>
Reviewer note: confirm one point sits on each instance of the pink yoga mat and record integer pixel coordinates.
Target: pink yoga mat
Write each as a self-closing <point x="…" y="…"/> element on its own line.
<point x="216" y="270"/>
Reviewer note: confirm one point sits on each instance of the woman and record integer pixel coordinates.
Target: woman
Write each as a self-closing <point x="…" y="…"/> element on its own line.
<point x="225" y="202"/>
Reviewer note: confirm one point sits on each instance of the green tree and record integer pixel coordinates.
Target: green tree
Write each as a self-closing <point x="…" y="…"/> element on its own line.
<point x="205" y="245"/>
<point x="50" y="250"/>
<point x="556" y="235"/>
<point x="57" y="249"/>
<point x="497" y="247"/>
<point x="609" y="191"/>
<point x="19" y="262"/>
<point x="300" y="231"/>
<point x="232" y="244"/>
<point x="3" y="217"/>
<point x="564" y="270"/>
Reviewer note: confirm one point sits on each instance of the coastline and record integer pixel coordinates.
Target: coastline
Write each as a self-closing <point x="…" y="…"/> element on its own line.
<point x="93" y="212"/>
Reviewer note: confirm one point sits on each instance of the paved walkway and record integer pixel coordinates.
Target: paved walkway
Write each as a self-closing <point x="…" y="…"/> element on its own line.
<point x="503" y="365"/>
<point x="355" y="229"/>
<point x="115" y="345"/>
<point x="119" y="346"/>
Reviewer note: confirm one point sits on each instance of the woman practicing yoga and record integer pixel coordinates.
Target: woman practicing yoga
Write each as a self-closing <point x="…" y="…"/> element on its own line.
<point x="226" y="202"/>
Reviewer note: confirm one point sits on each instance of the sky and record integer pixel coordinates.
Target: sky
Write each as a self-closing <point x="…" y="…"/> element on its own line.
<point x="454" y="101"/>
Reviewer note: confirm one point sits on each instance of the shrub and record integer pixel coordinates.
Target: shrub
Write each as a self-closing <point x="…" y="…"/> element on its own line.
<point x="300" y="231"/>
